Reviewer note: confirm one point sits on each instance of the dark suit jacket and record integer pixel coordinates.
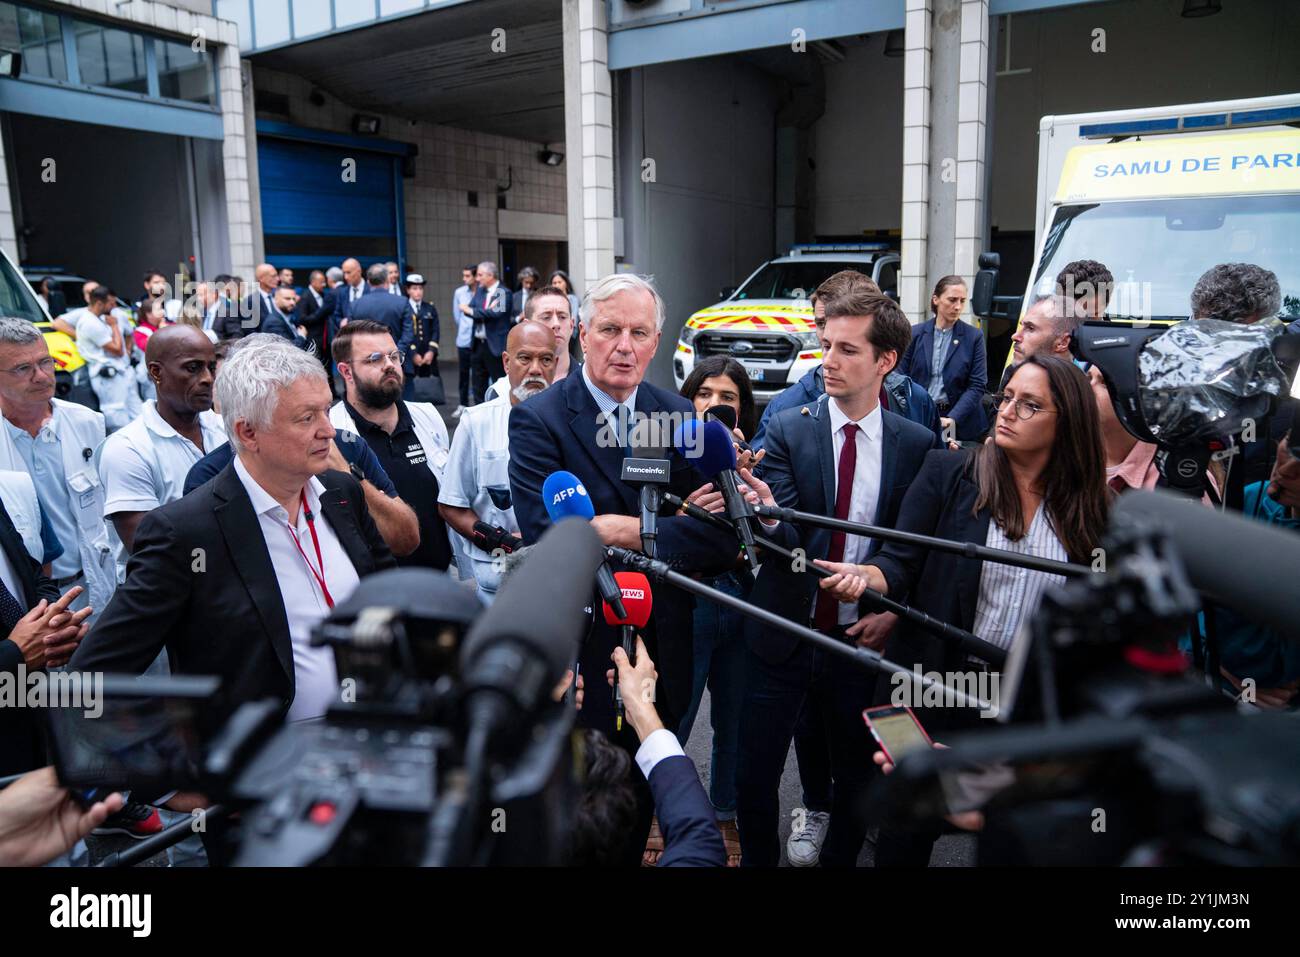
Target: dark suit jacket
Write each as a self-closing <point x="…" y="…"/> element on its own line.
<point x="283" y="326"/>
<point x="257" y="307"/>
<point x="316" y="318"/>
<point x="686" y="819"/>
<point x="556" y="430"/>
<point x="22" y="744"/>
<point x="342" y="305"/>
<point x="800" y="469"/>
<point x="379" y="305"/>
<point x="224" y="617"/>
<point x="965" y="374"/>
<point x="229" y="324"/>
<point x="495" y="320"/>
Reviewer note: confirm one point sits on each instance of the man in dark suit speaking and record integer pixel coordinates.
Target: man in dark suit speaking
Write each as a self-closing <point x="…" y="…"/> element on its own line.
<point x="232" y="578"/>
<point x="582" y="426"/>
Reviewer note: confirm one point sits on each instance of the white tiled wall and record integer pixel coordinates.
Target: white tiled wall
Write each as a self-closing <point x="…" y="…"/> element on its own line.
<point x="443" y="232"/>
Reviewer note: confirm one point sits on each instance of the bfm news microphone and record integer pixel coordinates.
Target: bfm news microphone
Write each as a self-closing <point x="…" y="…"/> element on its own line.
<point x="727" y="416"/>
<point x="491" y="537"/>
<point x="715" y="457"/>
<point x="565" y="496"/>
<point x="635" y="589"/>
<point x="649" y="468"/>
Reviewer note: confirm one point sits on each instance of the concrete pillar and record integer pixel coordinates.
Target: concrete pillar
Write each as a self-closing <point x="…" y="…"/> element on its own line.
<point x="244" y="228"/>
<point x="589" y="140"/>
<point x="945" y="111"/>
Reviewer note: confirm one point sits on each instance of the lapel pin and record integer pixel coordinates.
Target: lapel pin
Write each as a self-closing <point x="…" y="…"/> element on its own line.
<point x="804" y="411"/>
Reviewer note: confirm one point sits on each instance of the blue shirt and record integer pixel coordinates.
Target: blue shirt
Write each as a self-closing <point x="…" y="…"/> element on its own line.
<point x="942" y="340"/>
<point x="350" y="446"/>
<point x="43" y="456"/>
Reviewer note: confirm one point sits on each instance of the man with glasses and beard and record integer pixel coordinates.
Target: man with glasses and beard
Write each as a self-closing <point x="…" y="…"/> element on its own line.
<point x="409" y="438"/>
<point x="477" y="488"/>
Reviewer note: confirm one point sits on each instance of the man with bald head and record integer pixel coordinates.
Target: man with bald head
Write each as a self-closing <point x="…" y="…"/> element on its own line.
<point x="260" y="302"/>
<point x="476" y="484"/>
<point x="143" y="465"/>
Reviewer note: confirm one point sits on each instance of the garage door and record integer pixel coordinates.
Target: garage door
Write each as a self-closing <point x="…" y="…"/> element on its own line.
<point x="322" y="203"/>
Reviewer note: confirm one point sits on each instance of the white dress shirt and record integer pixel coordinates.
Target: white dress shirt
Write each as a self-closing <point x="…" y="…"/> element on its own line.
<point x="657" y="746"/>
<point x="317" y="683"/>
<point x="866" y="485"/>
<point x="1010" y="595"/>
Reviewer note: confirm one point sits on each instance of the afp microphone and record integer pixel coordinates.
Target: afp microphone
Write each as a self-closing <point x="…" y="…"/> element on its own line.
<point x="709" y="446"/>
<point x="565" y="496"/>
<point x="635" y="589"/>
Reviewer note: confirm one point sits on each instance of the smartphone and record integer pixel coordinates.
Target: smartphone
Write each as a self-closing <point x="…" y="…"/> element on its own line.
<point x="896" y="730"/>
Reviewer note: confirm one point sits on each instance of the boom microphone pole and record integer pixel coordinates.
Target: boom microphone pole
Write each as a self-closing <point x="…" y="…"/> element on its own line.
<point x="964" y="549"/>
<point x="969" y="643"/>
<point x="864" y="657"/>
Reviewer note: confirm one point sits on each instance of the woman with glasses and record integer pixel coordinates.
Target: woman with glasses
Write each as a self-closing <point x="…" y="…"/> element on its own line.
<point x="1038" y="488"/>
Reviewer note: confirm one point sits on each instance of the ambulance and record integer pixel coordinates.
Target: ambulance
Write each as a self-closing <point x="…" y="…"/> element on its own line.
<point x="766" y="324"/>
<point x="1159" y="196"/>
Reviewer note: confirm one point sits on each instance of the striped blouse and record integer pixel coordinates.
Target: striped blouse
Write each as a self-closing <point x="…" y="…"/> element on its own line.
<point x="1009" y="595"/>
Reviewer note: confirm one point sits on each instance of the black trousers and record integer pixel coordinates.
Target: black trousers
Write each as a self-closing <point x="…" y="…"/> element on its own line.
<point x="485" y="367"/>
<point x="836" y="691"/>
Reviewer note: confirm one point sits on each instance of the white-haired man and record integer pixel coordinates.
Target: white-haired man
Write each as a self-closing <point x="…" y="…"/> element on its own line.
<point x="232" y="578"/>
<point x="582" y="425"/>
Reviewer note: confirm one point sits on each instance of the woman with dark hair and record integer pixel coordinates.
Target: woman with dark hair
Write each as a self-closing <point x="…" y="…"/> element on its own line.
<point x="946" y="358"/>
<point x="719" y="644"/>
<point x="561" y="278"/>
<point x="1038" y="487"/>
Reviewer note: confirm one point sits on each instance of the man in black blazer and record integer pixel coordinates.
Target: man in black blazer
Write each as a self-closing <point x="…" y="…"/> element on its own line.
<point x="35" y="637"/>
<point x="232" y="578"/>
<point x="582" y="426"/>
<point x="314" y="310"/>
<point x="811" y="466"/>
<point x="259" y="304"/>
<point x="490" y="309"/>
<point x="378" y="305"/>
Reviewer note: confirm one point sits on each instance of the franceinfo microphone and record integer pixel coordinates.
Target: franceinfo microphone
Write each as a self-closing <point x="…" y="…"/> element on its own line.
<point x="635" y="588"/>
<point x="649" y="468"/>
<point x="565" y="496"/>
<point x="715" y="457"/>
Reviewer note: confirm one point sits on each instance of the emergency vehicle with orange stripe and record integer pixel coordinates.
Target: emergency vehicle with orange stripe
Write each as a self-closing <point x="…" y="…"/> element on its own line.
<point x="766" y="324"/>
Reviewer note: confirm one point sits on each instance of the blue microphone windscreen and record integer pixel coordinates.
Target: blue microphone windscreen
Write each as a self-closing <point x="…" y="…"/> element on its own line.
<point x="707" y="446"/>
<point x="566" y="497"/>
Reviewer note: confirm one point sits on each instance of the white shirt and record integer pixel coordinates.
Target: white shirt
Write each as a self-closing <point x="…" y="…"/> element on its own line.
<point x="144" y="464"/>
<point x="9" y="576"/>
<point x="1009" y="595"/>
<point x="317" y="684"/>
<point x="93" y="333"/>
<point x="477" y="477"/>
<point x="866" y="485"/>
<point x="658" y="745"/>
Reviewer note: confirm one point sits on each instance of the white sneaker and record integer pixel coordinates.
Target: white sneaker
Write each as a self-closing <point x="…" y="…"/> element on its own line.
<point x="459" y="410"/>
<point x="804" y="847"/>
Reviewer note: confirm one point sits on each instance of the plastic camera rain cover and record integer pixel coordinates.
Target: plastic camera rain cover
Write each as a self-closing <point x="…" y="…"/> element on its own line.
<point x="1206" y="377"/>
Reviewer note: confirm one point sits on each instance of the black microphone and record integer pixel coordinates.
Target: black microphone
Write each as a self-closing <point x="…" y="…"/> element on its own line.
<point x="1266" y="594"/>
<point x="727" y="416"/>
<point x="648" y="467"/>
<point x="491" y="537"/>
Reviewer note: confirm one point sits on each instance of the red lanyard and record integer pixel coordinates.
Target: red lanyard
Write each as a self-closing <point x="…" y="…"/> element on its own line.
<point x="311" y="526"/>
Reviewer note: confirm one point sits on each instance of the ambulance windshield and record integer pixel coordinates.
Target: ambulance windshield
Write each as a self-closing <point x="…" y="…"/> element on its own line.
<point x="1157" y="249"/>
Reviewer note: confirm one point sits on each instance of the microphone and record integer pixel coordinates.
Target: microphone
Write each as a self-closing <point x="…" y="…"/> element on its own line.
<point x="565" y="496"/>
<point x="635" y="588"/>
<point x="491" y="537"/>
<point x="1202" y="537"/>
<point x="727" y="416"/>
<point x="715" y="457"/>
<point x="649" y="468"/>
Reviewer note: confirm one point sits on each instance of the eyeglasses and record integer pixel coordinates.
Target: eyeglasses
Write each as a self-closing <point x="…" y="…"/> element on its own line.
<point x="378" y="358"/>
<point x="1025" y="409"/>
<point x="25" y="370"/>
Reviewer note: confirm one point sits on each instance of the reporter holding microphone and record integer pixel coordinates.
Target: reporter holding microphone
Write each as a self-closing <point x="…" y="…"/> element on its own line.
<point x="1037" y="488"/>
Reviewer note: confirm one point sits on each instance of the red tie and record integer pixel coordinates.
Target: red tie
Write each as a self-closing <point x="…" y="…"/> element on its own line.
<point x="826" y="615"/>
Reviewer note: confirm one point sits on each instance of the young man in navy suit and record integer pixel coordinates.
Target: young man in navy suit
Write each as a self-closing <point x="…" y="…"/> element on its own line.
<point x="845" y="456"/>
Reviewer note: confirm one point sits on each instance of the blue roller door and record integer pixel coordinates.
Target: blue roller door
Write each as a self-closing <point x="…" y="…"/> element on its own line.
<point x="323" y="202"/>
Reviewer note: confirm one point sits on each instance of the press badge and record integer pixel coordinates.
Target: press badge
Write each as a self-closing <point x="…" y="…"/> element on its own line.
<point x="87" y="499"/>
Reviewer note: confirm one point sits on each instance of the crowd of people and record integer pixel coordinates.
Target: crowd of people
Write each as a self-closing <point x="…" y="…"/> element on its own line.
<point x="253" y="458"/>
